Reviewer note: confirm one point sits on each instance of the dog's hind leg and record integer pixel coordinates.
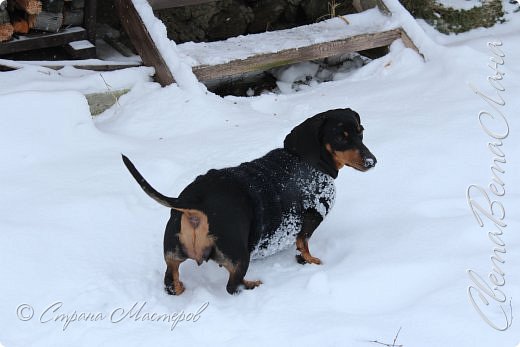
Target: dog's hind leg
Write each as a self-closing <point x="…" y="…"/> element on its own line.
<point x="311" y="220"/>
<point x="236" y="276"/>
<point x="172" y="282"/>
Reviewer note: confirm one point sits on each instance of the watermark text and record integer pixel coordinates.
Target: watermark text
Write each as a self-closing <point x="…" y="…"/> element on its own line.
<point x="488" y="295"/>
<point x="57" y="313"/>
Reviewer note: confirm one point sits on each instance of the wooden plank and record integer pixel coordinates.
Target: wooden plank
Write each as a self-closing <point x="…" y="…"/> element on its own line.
<point x="142" y="41"/>
<point x="363" y="5"/>
<point x="83" y="49"/>
<point x="90" y="20"/>
<point x="100" y="67"/>
<point x="264" y="62"/>
<point x="383" y="8"/>
<point x="164" y="4"/>
<point x="37" y="41"/>
<point x="5" y="66"/>
<point x="407" y="41"/>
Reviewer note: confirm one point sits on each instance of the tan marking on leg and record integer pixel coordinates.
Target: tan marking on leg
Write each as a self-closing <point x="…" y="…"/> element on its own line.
<point x="194" y="234"/>
<point x="251" y="284"/>
<point x="302" y="245"/>
<point x="232" y="268"/>
<point x="228" y="265"/>
<point x="173" y="265"/>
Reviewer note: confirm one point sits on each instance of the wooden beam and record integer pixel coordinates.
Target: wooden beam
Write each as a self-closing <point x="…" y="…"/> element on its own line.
<point x="37" y="41"/>
<point x="6" y="66"/>
<point x="89" y="20"/>
<point x="268" y="61"/>
<point x="83" y="49"/>
<point x="142" y="41"/>
<point x="164" y="4"/>
<point x="407" y="41"/>
<point x="363" y="5"/>
<point x="382" y="7"/>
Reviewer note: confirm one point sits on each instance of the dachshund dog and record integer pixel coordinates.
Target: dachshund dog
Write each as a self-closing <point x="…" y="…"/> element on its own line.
<point x="253" y="210"/>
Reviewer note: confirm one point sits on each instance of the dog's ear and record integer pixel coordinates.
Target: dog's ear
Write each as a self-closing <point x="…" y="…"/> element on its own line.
<point x="348" y="110"/>
<point x="305" y="140"/>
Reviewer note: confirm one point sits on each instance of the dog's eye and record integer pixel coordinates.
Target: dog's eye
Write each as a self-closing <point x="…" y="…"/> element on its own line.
<point x="343" y="137"/>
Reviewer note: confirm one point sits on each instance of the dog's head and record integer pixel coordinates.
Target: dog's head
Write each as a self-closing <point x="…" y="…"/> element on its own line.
<point x="331" y="140"/>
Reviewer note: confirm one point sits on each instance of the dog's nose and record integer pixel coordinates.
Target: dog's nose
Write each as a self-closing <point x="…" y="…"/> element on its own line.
<point x="370" y="162"/>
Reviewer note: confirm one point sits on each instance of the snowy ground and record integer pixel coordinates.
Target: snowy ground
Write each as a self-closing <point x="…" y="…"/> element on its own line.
<point x="77" y="230"/>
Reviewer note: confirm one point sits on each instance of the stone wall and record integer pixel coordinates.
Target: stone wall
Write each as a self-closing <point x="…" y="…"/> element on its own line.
<point x="227" y="18"/>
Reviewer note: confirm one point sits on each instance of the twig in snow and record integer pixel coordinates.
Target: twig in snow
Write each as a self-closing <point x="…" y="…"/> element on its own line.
<point x="387" y="344"/>
<point x="109" y="88"/>
<point x="396" y="336"/>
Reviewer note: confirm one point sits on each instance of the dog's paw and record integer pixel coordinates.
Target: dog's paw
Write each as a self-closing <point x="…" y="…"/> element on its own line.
<point x="175" y="289"/>
<point x="251" y="284"/>
<point x="233" y="290"/>
<point x="307" y="259"/>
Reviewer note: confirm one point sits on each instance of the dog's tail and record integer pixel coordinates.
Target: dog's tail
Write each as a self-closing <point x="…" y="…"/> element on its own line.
<point x="148" y="189"/>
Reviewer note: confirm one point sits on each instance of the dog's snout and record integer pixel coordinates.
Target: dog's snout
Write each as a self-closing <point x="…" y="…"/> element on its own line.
<point x="370" y="162"/>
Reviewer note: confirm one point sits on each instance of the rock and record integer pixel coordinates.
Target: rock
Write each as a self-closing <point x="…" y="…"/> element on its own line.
<point x="315" y="9"/>
<point x="267" y="14"/>
<point x="230" y="21"/>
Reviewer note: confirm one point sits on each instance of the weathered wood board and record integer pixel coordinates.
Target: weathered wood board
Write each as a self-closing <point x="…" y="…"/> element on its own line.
<point x="163" y="4"/>
<point x="151" y="56"/>
<point x="296" y="55"/>
<point x="143" y="42"/>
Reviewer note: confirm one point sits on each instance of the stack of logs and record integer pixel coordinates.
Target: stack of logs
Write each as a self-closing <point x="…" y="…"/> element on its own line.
<point x="22" y="16"/>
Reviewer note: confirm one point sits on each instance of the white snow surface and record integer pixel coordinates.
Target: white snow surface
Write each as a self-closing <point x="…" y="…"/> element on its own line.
<point x="31" y="77"/>
<point x="461" y="4"/>
<point x="242" y="47"/>
<point x="78" y="236"/>
<point x="82" y="44"/>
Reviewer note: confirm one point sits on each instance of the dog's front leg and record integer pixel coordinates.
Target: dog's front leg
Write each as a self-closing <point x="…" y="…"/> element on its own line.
<point x="311" y="220"/>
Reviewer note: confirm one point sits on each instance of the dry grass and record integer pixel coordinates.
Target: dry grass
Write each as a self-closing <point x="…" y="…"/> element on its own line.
<point x="332" y="6"/>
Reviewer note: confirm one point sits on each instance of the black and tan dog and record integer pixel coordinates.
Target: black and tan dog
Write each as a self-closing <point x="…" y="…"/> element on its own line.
<point x="253" y="210"/>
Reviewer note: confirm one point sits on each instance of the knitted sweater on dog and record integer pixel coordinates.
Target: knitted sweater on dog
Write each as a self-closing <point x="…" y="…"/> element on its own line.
<point x="281" y="187"/>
